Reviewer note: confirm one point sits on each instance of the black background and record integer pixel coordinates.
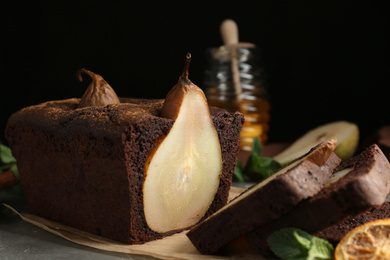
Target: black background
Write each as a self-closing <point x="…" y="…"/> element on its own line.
<point x="325" y="60"/>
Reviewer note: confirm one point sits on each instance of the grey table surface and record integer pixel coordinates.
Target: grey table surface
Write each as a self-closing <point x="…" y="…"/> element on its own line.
<point x="22" y="240"/>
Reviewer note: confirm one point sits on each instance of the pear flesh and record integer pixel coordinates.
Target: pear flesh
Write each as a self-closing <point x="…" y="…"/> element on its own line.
<point x="346" y="133"/>
<point x="182" y="178"/>
<point x="337" y="176"/>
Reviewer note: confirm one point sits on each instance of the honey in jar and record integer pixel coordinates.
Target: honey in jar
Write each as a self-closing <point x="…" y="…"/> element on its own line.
<point x="234" y="80"/>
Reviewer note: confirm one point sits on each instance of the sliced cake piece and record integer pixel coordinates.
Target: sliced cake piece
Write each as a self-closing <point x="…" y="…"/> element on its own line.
<point x="337" y="231"/>
<point x="268" y="199"/>
<point x="358" y="184"/>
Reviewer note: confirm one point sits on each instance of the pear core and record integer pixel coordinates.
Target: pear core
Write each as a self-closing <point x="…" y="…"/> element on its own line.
<point x="182" y="178"/>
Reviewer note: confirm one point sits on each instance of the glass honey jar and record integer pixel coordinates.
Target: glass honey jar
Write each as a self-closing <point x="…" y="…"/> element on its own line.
<point x="234" y="80"/>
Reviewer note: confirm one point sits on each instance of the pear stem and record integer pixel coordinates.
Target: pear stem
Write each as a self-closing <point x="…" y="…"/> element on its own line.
<point x="89" y="73"/>
<point x="186" y="66"/>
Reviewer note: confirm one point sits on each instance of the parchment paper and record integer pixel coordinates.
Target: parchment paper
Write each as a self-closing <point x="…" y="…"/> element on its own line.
<point x="177" y="246"/>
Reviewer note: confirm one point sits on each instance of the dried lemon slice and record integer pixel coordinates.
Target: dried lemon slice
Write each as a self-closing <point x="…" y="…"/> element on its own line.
<point x="368" y="241"/>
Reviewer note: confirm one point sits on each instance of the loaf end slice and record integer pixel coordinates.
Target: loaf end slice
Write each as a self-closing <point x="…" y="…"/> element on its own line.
<point x="357" y="185"/>
<point x="336" y="232"/>
<point x="267" y="200"/>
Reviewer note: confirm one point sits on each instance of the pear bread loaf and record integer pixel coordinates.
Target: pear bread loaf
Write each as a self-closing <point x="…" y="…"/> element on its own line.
<point x="85" y="166"/>
<point x="267" y="200"/>
<point x="357" y="185"/>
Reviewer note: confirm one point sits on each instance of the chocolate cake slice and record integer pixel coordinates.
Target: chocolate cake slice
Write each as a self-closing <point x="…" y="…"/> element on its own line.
<point x="336" y="232"/>
<point x="267" y="200"/>
<point x="85" y="166"/>
<point x="357" y="185"/>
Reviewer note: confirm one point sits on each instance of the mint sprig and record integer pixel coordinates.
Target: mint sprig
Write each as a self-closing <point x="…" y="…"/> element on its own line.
<point x="8" y="162"/>
<point x="238" y="174"/>
<point x="257" y="167"/>
<point x="6" y="158"/>
<point x="296" y="244"/>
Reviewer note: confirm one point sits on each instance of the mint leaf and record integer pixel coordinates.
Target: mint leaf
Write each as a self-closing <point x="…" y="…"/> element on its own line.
<point x="8" y="162"/>
<point x="258" y="168"/>
<point x="6" y="155"/>
<point x="303" y="238"/>
<point x="269" y="164"/>
<point x="254" y="168"/>
<point x="15" y="170"/>
<point x="285" y="245"/>
<point x="321" y="249"/>
<point x="238" y="174"/>
<point x="257" y="148"/>
<point x="294" y="244"/>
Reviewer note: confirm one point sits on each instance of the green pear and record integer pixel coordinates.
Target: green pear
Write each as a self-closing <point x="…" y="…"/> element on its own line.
<point x="346" y="133"/>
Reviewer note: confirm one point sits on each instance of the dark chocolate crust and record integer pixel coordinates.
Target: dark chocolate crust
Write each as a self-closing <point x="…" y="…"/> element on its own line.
<point x="263" y="204"/>
<point x="362" y="188"/>
<point x="337" y="231"/>
<point x="84" y="167"/>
